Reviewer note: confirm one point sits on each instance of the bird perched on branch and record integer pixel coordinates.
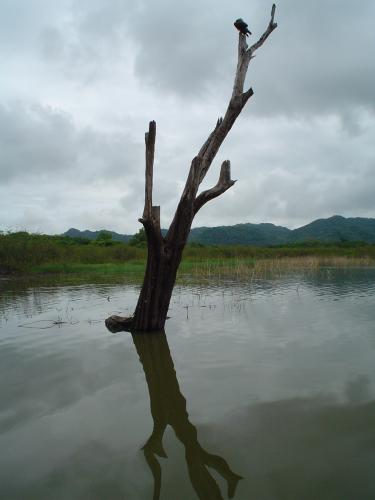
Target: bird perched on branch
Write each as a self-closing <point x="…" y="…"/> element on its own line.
<point x="242" y="27"/>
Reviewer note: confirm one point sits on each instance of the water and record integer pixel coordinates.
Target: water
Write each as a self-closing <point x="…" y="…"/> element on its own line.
<point x="272" y="381"/>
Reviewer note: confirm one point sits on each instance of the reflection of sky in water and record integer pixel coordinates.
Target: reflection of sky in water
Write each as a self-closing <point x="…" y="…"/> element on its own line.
<point x="279" y="378"/>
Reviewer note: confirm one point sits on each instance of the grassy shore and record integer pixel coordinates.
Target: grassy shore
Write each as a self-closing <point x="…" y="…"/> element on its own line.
<point x="25" y="253"/>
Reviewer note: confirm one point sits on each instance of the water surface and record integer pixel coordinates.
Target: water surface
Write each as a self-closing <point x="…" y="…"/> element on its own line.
<point x="270" y="381"/>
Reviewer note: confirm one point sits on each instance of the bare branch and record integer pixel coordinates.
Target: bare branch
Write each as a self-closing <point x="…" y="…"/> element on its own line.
<point x="151" y="214"/>
<point x="150" y="151"/>
<point x="224" y="183"/>
<point x="238" y="100"/>
<point x="208" y="141"/>
<point x="242" y="45"/>
<point x="239" y="97"/>
<point x="246" y="96"/>
<point x="235" y="107"/>
<point x="271" y="26"/>
<point x="273" y="13"/>
<point x="242" y="65"/>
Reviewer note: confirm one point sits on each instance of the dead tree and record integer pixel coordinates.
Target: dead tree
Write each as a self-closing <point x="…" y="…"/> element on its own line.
<point x="165" y="252"/>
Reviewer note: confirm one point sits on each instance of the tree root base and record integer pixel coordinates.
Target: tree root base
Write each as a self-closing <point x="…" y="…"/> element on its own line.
<point x="124" y="324"/>
<point x="119" y="323"/>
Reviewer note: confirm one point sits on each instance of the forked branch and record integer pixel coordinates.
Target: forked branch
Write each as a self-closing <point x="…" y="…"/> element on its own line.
<point x="238" y="100"/>
<point x="190" y="201"/>
<point x="224" y="183"/>
<point x="271" y="26"/>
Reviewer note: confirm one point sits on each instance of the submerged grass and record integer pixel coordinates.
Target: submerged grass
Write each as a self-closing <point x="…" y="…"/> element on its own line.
<point x="260" y="268"/>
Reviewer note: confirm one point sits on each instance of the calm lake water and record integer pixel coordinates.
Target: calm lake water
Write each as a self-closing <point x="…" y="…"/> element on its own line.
<point x="272" y="381"/>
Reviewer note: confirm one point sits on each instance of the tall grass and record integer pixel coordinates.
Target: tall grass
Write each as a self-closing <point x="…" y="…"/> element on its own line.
<point x="24" y="252"/>
<point x="265" y="267"/>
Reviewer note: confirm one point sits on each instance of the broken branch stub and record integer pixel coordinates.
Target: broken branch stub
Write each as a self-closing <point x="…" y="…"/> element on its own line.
<point x="150" y="153"/>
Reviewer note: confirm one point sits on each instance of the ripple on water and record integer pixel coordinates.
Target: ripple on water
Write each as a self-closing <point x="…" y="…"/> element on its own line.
<point x="263" y="367"/>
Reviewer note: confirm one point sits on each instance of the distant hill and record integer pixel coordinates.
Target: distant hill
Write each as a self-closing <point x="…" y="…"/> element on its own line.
<point x="92" y="235"/>
<point x="333" y="229"/>
<point x="241" y="234"/>
<point x="337" y="228"/>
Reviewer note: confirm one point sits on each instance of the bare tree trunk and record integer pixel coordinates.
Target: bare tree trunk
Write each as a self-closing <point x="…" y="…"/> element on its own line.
<point x="153" y="302"/>
<point x="164" y="253"/>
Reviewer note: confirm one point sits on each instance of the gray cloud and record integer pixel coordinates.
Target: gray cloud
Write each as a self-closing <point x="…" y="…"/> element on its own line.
<point x="34" y="141"/>
<point x="291" y="173"/>
<point x="55" y="175"/>
<point x="178" y="48"/>
<point x="84" y="78"/>
<point x="317" y="61"/>
<point x="40" y="141"/>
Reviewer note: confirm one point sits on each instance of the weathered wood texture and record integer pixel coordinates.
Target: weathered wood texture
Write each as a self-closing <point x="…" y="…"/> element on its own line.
<point x="150" y="153"/>
<point x="164" y="253"/>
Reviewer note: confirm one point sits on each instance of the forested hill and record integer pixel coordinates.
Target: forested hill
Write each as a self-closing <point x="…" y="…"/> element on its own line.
<point x="241" y="234"/>
<point x="337" y="228"/>
<point x="333" y="229"/>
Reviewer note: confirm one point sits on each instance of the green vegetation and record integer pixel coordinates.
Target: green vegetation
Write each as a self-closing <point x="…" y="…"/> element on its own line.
<point x="42" y="254"/>
<point x="23" y="252"/>
<point x="139" y="240"/>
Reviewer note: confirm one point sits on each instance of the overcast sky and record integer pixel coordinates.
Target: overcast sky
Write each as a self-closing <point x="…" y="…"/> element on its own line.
<point x="81" y="79"/>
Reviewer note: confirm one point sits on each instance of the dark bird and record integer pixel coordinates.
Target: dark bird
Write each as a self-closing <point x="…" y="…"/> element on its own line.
<point x="242" y="27"/>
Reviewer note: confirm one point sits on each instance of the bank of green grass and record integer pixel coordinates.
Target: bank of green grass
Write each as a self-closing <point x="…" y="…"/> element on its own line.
<point x="42" y="254"/>
<point x="24" y="253"/>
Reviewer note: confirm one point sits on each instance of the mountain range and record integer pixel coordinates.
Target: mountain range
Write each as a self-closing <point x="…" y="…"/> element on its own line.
<point x="332" y="229"/>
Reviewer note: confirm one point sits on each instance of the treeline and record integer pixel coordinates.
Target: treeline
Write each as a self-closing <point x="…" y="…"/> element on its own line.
<point x="24" y="252"/>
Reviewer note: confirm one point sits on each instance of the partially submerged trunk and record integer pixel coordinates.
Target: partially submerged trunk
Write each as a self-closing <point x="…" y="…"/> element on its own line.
<point x="165" y="253"/>
<point x="153" y="302"/>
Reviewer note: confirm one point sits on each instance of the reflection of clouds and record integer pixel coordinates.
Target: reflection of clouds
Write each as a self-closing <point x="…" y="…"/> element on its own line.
<point x="47" y="366"/>
<point x="302" y="449"/>
<point x="76" y="405"/>
<point x="358" y="390"/>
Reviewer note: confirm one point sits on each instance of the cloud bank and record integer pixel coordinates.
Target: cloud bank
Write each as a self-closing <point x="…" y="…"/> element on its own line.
<point x="80" y="82"/>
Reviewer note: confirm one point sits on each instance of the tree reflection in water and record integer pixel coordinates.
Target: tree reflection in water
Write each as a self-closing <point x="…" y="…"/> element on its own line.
<point x="168" y="407"/>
